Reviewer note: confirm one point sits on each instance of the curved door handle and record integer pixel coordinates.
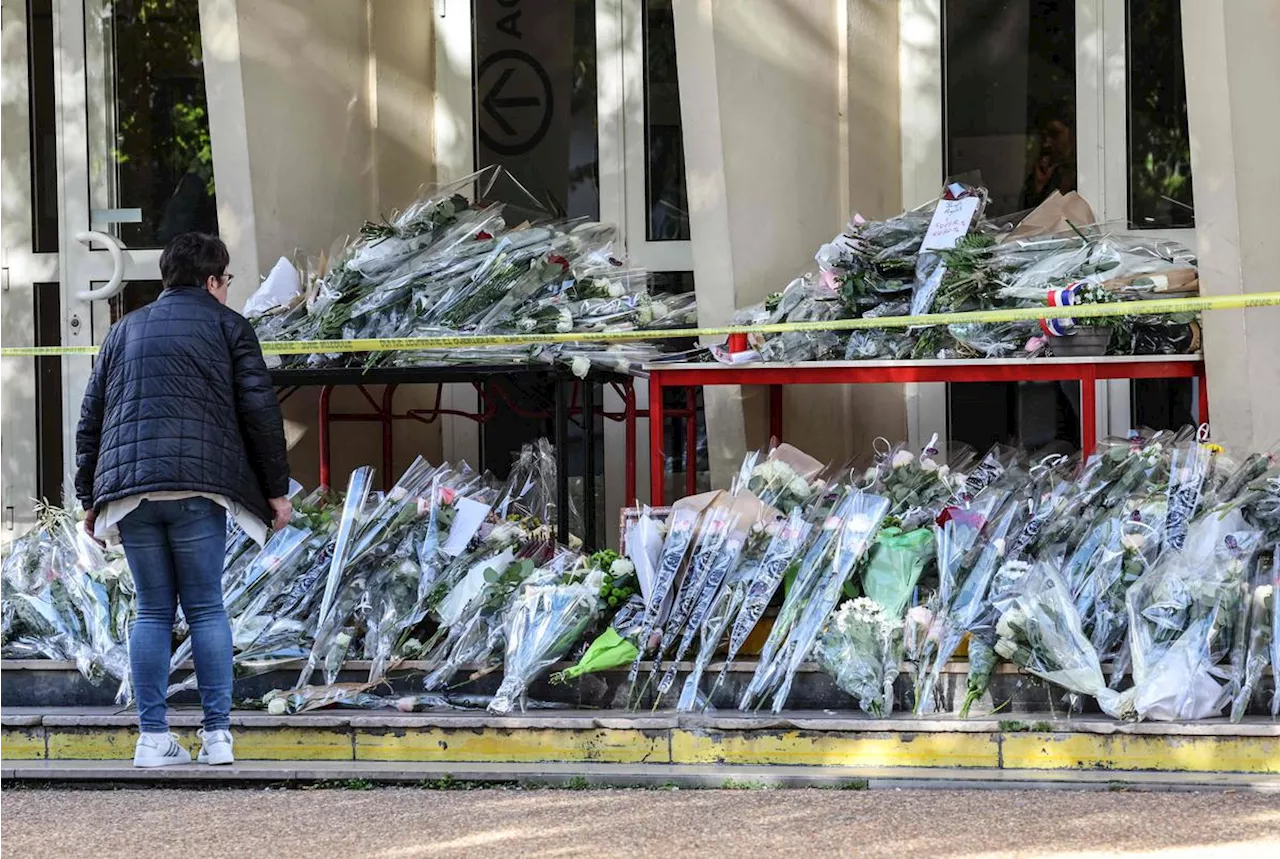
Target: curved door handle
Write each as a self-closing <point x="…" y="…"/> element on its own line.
<point x="116" y="282"/>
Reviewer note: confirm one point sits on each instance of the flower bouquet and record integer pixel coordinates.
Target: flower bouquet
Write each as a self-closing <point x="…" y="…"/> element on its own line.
<point x="861" y="648"/>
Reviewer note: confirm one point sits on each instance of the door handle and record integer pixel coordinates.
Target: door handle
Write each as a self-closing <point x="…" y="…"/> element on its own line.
<point x="116" y="250"/>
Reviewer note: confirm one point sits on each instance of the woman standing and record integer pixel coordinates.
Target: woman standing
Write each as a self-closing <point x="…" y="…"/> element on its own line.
<point x="179" y="429"/>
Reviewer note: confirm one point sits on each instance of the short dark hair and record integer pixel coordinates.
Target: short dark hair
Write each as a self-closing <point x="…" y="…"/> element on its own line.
<point x="192" y="258"/>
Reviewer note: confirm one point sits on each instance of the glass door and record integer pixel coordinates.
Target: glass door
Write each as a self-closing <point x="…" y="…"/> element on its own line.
<point x="131" y="165"/>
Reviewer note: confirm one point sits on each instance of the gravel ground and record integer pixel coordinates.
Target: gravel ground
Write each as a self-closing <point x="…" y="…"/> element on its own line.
<point x="400" y="823"/>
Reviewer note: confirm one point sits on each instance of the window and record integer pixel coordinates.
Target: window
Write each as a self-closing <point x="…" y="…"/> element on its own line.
<point x="1017" y="76"/>
<point x="1160" y="195"/>
<point x="535" y="105"/>
<point x="1009" y="104"/>
<point x="666" y="195"/>
<point x="156" y="129"/>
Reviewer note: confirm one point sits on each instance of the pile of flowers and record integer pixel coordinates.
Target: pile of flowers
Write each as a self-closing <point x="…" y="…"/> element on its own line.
<point x="1143" y="578"/>
<point x="451" y="264"/>
<point x="450" y="568"/>
<point x="876" y="269"/>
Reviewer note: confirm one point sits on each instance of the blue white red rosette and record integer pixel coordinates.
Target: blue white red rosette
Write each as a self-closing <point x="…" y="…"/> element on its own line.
<point x="1064" y="297"/>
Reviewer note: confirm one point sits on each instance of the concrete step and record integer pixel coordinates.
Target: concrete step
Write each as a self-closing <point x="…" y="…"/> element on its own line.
<point x="584" y="775"/>
<point x="730" y="739"/>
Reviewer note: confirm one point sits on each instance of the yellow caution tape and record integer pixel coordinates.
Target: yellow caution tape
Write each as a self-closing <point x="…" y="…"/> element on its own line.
<point x="1156" y="307"/>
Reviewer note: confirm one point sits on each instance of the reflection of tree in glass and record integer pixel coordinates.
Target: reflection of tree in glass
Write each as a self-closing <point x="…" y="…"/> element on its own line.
<point x="163" y="157"/>
<point x="1160" y="193"/>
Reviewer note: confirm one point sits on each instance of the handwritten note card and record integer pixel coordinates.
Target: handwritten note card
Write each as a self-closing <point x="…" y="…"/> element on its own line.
<point x="951" y="220"/>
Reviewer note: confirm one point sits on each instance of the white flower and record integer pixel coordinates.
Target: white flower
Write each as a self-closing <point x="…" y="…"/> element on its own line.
<point x="798" y="486"/>
<point x="580" y="367"/>
<point x="277" y="706"/>
<point x="902" y="457"/>
<point x="944" y="472"/>
<point x="526" y="324"/>
<point x="595" y="580"/>
<point x="1006" y="648"/>
<point x="999" y="545"/>
<point x="616" y="289"/>
<point x="621" y="567"/>
<point x="1012" y="620"/>
<point x="928" y="464"/>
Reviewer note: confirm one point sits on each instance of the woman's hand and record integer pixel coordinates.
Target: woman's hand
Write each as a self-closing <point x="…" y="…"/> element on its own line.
<point x="281" y="511"/>
<point x="91" y="517"/>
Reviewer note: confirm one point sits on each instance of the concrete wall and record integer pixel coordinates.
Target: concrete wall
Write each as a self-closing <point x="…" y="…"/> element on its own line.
<point x="1232" y="72"/>
<point x="321" y="118"/>
<point x="790" y="114"/>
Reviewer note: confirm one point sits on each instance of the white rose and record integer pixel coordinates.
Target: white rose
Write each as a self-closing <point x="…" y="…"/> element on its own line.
<point x="621" y="567"/>
<point x="580" y="367"/>
<point x="1133" y="542"/>
<point x="1006" y="648"/>
<point x="799" y="487"/>
<point x="526" y="324"/>
<point x="277" y="706"/>
<point x="902" y="458"/>
<point x="928" y="464"/>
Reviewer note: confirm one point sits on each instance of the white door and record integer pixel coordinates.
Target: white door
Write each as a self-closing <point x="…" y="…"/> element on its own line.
<point x="109" y="121"/>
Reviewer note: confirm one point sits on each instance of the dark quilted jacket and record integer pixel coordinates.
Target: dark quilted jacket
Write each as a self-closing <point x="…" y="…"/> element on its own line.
<point x="180" y="399"/>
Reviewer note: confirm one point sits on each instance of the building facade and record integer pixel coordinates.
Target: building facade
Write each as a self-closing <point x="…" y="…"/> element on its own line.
<point x="728" y="139"/>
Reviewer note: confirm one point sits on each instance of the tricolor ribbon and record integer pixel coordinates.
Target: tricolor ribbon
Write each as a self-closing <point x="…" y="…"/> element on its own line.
<point x="1064" y="297"/>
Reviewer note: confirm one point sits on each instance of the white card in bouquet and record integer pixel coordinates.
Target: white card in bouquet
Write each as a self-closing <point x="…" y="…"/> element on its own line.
<point x="951" y="221"/>
<point x="467" y="519"/>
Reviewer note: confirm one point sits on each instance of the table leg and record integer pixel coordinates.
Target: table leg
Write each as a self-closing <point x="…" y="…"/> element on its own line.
<point x="322" y="431"/>
<point x="691" y="442"/>
<point x="775" y="412"/>
<point x="589" y="536"/>
<point x="563" y="392"/>
<point x="1202" y="395"/>
<point x="1088" y="413"/>
<point x="657" y="456"/>
<point x="388" y="440"/>
<point x="629" y="401"/>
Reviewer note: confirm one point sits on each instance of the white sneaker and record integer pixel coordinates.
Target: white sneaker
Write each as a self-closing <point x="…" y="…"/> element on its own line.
<point x="159" y="750"/>
<point x="215" y="748"/>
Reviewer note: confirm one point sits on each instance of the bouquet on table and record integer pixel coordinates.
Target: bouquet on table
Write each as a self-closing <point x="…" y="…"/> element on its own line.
<point x="907" y="265"/>
<point x="450" y="264"/>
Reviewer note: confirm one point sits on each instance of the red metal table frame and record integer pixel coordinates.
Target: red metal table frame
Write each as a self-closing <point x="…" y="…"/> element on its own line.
<point x="776" y="376"/>
<point x="493" y="403"/>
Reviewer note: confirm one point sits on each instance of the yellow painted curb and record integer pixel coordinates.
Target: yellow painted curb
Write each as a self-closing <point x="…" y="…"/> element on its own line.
<point x="522" y="745"/>
<point x="22" y="744"/>
<point x="836" y="749"/>
<point x="1141" y="752"/>
<point x="986" y="749"/>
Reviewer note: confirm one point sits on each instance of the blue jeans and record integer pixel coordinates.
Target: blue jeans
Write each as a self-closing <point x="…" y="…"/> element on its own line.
<point x="176" y="551"/>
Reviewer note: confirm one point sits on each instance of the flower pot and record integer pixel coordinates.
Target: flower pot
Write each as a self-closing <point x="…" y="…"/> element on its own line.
<point x="1083" y="343"/>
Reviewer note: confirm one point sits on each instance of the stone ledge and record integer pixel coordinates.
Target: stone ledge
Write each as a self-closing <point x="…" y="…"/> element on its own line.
<point x="722" y="721"/>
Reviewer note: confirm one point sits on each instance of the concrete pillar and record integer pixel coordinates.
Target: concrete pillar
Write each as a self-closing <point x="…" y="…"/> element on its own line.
<point x="320" y="118"/>
<point x="1233" y="69"/>
<point x="790" y="109"/>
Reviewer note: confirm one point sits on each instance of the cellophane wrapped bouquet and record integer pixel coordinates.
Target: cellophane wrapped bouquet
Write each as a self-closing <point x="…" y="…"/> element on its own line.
<point x="451" y="264"/>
